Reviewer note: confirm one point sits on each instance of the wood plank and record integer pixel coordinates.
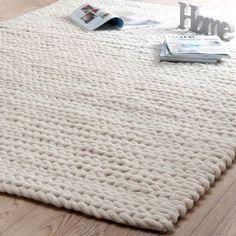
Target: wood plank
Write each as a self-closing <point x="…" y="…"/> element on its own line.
<point x="193" y="222"/>
<point x="23" y="217"/>
<point x="12" y="8"/>
<point x="222" y="217"/>
<point x="213" y="215"/>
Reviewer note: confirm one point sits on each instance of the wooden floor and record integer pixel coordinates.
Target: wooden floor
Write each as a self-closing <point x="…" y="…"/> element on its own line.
<point x="213" y="215"/>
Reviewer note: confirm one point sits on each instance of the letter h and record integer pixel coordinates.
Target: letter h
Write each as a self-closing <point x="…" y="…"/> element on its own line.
<point x="184" y="17"/>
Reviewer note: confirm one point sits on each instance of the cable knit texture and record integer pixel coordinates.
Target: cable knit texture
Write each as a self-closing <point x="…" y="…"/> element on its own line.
<point x="92" y="121"/>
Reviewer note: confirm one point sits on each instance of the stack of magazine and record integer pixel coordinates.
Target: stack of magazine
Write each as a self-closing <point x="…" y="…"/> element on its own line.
<point x="193" y="48"/>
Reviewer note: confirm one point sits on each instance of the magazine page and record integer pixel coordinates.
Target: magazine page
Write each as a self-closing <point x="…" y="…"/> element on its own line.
<point x="90" y="17"/>
<point x="135" y="19"/>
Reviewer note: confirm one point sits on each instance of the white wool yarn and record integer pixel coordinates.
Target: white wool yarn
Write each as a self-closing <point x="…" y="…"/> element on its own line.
<point x="92" y="121"/>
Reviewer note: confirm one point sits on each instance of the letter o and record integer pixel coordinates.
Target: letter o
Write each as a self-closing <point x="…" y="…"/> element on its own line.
<point x="199" y="25"/>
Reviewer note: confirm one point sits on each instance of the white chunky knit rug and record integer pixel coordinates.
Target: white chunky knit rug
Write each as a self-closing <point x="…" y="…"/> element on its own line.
<point x="95" y="123"/>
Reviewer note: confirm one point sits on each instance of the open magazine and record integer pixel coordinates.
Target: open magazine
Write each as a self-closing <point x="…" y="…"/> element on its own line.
<point x="193" y="48"/>
<point x="90" y="17"/>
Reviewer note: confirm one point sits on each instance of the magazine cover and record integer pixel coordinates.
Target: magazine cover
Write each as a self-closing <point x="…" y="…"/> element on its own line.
<point x="206" y="44"/>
